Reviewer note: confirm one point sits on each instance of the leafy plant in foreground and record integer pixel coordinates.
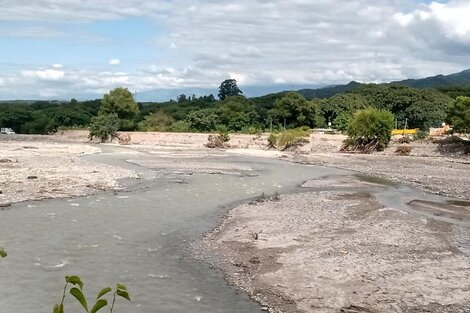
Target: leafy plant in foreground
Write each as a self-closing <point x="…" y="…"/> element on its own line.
<point x="77" y="293"/>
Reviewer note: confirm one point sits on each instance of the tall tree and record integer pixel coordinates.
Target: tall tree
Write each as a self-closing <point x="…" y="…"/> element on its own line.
<point x="229" y="88"/>
<point x="121" y="102"/>
<point x="458" y="115"/>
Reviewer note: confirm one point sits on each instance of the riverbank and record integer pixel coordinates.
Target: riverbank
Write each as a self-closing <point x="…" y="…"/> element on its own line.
<point x="337" y="249"/>
<point x="332" y="248"/>
<point x="38" y="169"/>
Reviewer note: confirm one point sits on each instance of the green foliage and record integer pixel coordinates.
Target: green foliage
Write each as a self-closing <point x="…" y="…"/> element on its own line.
<point x="293" y="110"/>
<point x="421" y="108"/>
<point x="342" y="121"/>
<point x="289" y="138"/>
<point x="229" y="88"/>
<point x="179" y="127"/>
<point x="370" y="129"/>
<point x="202" y="120"/>
<point x="157" y="121"/>
<point x="343" y="106"/>
<point x="44" y="117"/>
<point x="77" y="293"/>
<point x="237" y="113"/>
<point x="3" y="253"/>
<point x="458" y="115"/>
<point x="104" y="127"/>
<point x="121" y="102"/>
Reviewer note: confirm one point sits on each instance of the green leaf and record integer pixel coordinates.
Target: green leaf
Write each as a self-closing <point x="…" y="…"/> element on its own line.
<point x="75" y="280"/>
<point x="77" y="293"/>
<point x="3" y="254"/>
<point x="121" y="287"/>
<point x="103" y="292"/>
<point x="123" y="293"/>
<point x="101" y="303"/>
<point x="58" y="309"/>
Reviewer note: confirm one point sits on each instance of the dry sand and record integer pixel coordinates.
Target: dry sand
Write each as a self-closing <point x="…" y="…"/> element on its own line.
<point x="341" y="251"/>
<point x="321" y="251"/>
<point x="34" y="170"/>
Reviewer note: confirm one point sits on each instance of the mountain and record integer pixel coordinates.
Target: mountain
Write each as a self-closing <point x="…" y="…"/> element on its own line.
<point x="438" y="81"/>
<point x="328" y="92"/>
<point x="457" y="79"/>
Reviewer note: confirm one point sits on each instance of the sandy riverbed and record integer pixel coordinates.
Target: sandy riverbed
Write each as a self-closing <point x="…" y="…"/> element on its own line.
<point x="37" y="169"/>
<point x="332" y="249"/>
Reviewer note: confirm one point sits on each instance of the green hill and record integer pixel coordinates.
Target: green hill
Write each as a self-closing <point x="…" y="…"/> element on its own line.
<point x="443" y="82"/>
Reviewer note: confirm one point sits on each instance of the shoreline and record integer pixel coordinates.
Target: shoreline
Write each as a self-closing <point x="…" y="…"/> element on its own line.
<point x="269" y="253"/>
<point x="268" y="262"/>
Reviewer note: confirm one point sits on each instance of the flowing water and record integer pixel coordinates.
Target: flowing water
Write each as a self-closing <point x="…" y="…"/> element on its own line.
<point x="138" y="238"/>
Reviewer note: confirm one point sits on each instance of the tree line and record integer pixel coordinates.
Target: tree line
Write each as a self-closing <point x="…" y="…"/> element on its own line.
<point x="233" y="112"/>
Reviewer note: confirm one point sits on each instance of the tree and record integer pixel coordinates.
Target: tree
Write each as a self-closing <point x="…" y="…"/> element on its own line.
<point x="121" y="102"/>
<point x="342" y="105"/>
<point x="229" y="88"/>
<point x="237" y="113"/>
<point x="202" y="120"/>
<point x="458" y="115"/>
<point x="370" y="129"/>
<point x="157" y="121"/>
<point x="104" y="126"/>
<point x="295" y="111"/>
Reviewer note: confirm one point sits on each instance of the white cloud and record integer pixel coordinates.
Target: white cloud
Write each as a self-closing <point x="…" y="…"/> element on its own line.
<point x="114" y="62"/>
<point x="261" y="42"/>
<point x="57" y="65"/>
<point x="44" y="74"/>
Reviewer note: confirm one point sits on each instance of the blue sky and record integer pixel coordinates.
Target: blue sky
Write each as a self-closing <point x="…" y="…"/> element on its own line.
<point x="53" y="49"/>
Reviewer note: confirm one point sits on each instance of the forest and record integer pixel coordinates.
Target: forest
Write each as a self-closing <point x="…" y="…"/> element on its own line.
<point x="233" y="112"/>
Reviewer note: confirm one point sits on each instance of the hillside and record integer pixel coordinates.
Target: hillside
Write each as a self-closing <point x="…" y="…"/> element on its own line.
<point x="438" y="81"/>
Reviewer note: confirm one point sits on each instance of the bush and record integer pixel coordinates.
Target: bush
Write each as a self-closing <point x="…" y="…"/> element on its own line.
<point x="217" y="141"/>
<point x="179" y="127"/>
<point x="104" y="126"/>
<point x="453" y="145"/>
<point x="421" y="135"/>
<point x="289" y="138"/>
<point x="403" y="150"/>
<point x="404" y="139"/>
<point x="369" y="130"/>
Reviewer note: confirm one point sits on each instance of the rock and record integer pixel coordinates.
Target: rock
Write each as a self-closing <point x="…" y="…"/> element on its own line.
<point x="32" y="177"/>
<point x="8" y="160"/>
<point x="5" y="205"/>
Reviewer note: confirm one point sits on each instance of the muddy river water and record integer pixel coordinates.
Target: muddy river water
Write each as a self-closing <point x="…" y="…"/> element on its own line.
<point x="140" y="236"/>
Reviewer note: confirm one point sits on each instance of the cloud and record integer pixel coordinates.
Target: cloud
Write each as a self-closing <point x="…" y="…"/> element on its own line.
<point x="79" y="10"/>
<point x="114" y="62"/>
<point x="258" y="42"/>
<point x="47" y="74"/>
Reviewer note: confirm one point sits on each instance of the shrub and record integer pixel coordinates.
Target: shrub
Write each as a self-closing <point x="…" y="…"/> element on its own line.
<point x="289" y="138"/>
<point x="104" y="126"/>
<point x="403" y="150"/>
<point x="421" y="135"/>
<point x="369" y="130"/>
<point x="453" y="145"/>
<point x="124" y="139"/>
<point x="179" y="127"/>
<point x="404" y="139"/>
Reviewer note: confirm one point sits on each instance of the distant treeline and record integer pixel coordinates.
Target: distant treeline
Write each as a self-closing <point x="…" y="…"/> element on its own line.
<point x="417" y="108"/>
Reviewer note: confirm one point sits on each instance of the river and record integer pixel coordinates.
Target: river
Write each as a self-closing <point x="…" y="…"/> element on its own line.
<point x="138" y="237"/>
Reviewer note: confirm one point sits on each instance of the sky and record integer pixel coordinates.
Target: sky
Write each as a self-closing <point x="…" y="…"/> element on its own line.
<point x="63" y="49"/>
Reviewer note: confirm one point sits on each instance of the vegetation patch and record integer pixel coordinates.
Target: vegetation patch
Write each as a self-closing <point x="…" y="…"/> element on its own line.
<point x="289" y="138"/>
<point x="403" y="150"/>
<point x="453" y="145"/>
<point x="369" y="130"/>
